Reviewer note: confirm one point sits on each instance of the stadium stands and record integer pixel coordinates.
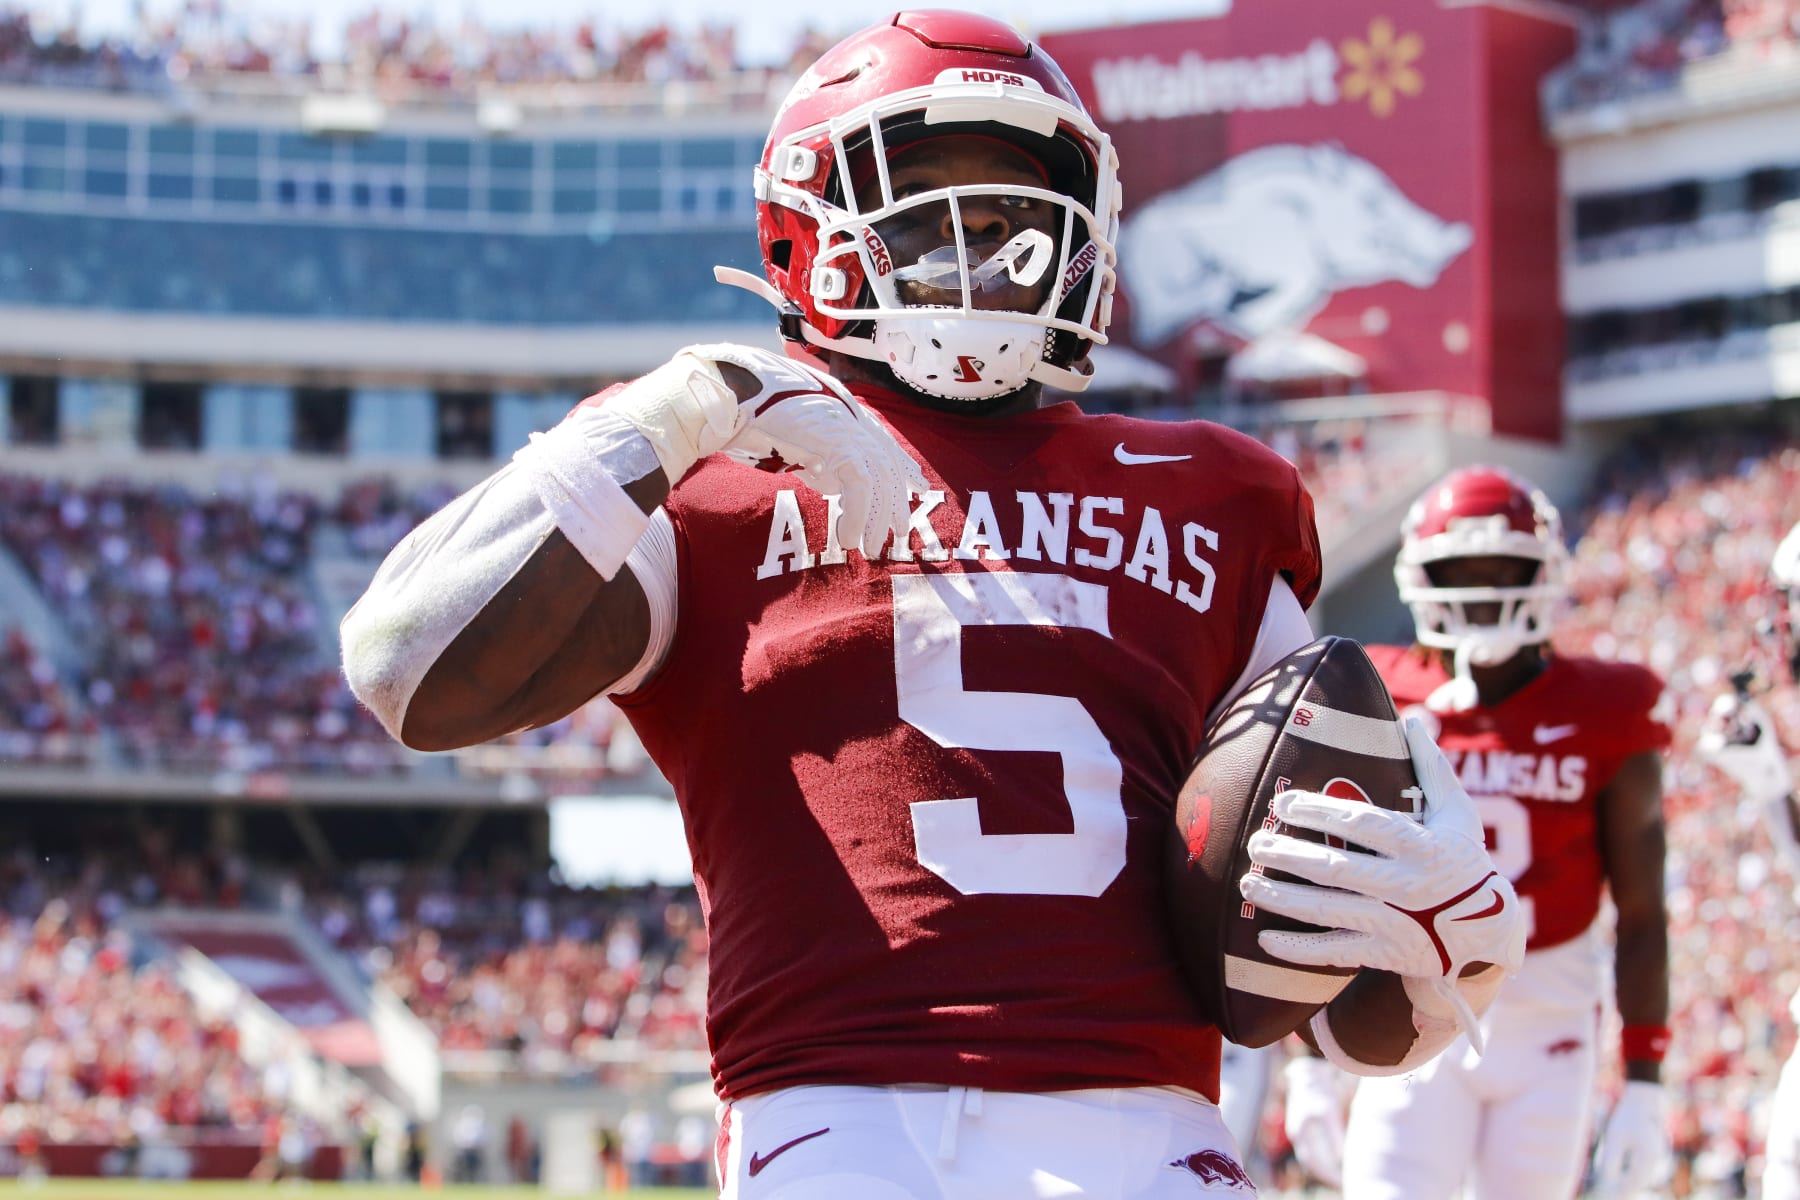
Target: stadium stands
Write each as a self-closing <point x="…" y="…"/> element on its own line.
<point x="1670" y="569"/>
<point x="396" y="55"/>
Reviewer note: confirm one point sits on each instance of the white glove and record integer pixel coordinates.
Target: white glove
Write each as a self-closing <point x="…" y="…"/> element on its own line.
<point x="802" y="421"/>
<point x="1314" y="1119"/>
<point x="1634" y="1149"/>
<point x="1739" y="739"/>
<point x="1425" y="903"/>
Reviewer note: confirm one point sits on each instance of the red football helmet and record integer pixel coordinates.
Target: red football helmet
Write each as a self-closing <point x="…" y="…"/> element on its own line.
<point x="834" y="276"/>
<point x="1482" y="511"/>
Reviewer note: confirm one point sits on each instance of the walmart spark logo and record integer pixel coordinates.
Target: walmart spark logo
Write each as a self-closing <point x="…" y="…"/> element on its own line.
<point x="1382" y="67"/>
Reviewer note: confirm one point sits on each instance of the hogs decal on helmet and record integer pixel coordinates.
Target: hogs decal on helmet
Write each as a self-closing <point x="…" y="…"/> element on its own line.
<point x="984" y="310"/>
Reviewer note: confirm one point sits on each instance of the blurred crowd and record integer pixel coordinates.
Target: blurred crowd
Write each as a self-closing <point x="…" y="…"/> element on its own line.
<point x="41" y="724"/>
<point x="1643" y="47"/>
<point x="95" y="1044"/>
<point x="207" y="42"/>
<point x="501" y="959"/>
<point x="198" y="636"/>
<point x="199" y="642"/>
<point x="1672" y="570"/>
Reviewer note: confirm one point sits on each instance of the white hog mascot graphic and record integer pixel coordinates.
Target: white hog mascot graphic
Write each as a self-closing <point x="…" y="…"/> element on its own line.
<point x="1264" y="241"/>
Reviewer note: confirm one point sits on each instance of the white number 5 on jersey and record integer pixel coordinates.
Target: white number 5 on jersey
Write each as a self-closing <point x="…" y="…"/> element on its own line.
<point x="930" y="612"/>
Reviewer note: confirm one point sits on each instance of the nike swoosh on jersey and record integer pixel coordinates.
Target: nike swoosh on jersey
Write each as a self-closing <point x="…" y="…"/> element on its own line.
<point x="1543" y="735"/>
<point x="1132" y="460"/>
<point x="759" y="1161"/>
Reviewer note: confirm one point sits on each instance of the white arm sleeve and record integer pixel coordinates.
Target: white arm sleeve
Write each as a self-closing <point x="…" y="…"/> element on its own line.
<point x="444" y="572"/>
<point x="433" y="583"/>
<point x="1284" y="629"/>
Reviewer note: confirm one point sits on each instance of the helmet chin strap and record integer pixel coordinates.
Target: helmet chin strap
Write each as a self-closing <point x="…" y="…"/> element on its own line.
<point x="1457" y="693"/>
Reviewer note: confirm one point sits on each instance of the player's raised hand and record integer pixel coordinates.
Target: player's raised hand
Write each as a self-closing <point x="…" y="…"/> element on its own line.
<point x="770" y="411"/>
<point x="1739" y="739"/>
<point x="1425" y="900"/>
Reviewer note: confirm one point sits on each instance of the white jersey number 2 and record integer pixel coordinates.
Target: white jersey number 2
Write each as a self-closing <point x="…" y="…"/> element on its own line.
<point x="930" y="613"/>
<point x="1508" y="826"/>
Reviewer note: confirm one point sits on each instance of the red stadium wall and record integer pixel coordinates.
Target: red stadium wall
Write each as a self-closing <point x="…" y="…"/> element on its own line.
<point x="1370" y="172"/>
<point x="1523" y="185"/>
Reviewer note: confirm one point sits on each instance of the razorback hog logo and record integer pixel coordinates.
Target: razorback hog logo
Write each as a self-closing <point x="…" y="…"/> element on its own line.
<point x="878" y="251"/>
<point x="1343" y="789"/>
<point x="1264" y="241"/>
<point x="1078" y="268"/>
<point x="1216" y="1167"/>
<point x="974" y="76"/>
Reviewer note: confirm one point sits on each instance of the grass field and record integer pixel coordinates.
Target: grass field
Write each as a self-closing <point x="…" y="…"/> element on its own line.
<point x="134" y="1189"/>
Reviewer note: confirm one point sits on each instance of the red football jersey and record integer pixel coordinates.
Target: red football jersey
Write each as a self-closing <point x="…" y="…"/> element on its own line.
<point x="927" y="796"/>
<point x="1535" y="765"/>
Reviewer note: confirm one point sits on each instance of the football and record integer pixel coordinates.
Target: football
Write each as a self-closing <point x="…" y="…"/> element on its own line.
<point x="1321" y="720"/>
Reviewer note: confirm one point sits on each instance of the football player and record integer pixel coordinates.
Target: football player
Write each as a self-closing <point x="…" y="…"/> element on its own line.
<point x="1741" y="741"/>
<point x="925" y="659"/>
<point x="1563" y="757"/>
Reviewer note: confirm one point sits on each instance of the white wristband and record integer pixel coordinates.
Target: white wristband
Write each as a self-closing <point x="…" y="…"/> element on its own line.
<point x="579" y="469"/>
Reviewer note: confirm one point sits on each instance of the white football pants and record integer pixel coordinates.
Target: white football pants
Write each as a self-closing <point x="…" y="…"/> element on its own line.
<point x="1513" y="1123"/>
<point x="1781" y="1162"/>
<point x="919" y="1142"/>
<point x="1244" y="1076"/>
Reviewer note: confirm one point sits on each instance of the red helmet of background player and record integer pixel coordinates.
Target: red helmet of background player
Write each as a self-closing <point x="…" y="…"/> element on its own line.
<point x="1481" y="511"/>
<point x="829" y="270"/>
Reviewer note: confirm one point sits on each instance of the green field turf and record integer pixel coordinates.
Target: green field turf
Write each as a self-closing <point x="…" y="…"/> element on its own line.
<point x="132" y="1189"/>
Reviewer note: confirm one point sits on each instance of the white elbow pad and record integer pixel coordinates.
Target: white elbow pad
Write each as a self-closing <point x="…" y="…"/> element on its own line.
<point x="1435" y="1022"/>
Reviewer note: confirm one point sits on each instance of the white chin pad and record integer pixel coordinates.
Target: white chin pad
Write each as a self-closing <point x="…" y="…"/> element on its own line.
<point x="958" y="357"/>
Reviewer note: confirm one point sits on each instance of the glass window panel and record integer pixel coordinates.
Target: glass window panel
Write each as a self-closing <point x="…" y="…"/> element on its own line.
<point x="396" y="195"/>
<point x="321" y="192"/>
<point x="382" y="151"/>
<point x="169" y="187"/>
<point x="39" y="132"/>
<point x="508" y="200"/>
<point x="236" y="191"/>
<point x="297" y="147"/>
<point x="362" y="195"/>
<point x="40" y="178"/>
<point x="105" y="183"/>
<point x="443" y="152"/>
<point x="171" y="139"/>
<point x="640" y="155"/>
<point x="108" y="136"/>
<point x="640" y="199"/>
<point x="287" y="192"/>
<point x="235" y="143"/>
<point x="573" y="200"/>
<point x="575" y="156"/>
<point x="510" y="156"/>
<point x="443" y="198"/>
<point x="708" y="152"/>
